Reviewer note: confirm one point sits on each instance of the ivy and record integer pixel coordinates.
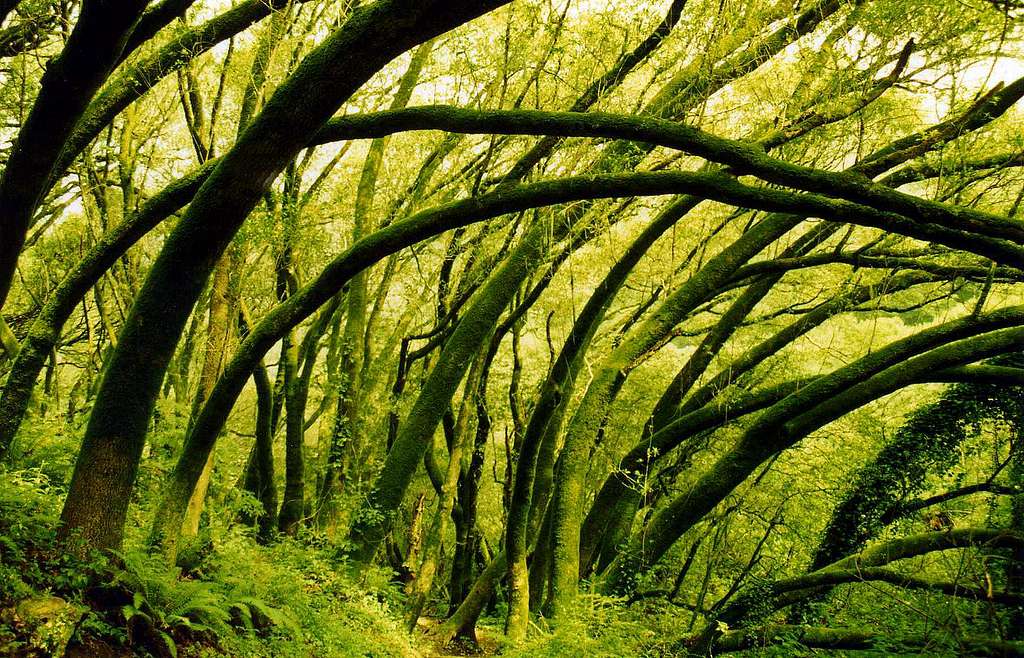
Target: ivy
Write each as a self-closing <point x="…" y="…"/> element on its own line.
<point x="926" y="443"/>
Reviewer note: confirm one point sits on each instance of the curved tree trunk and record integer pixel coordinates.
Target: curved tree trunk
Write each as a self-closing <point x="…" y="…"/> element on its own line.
<point x="105" y="471"/>
<point x="91" y="52"/>
<point x="913" y="359"/>
<point x="473" y="329"/>
<point x="583" y="428"/>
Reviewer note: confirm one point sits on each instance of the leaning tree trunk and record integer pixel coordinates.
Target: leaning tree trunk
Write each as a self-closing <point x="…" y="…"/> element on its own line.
<point x="107" y="464"/>
<point x="470" y="334"/>
<point x="583" y="428"/>
<point x="915" y="359"/>
<point x="92" y="50"/>
<point x="218" y="335"/>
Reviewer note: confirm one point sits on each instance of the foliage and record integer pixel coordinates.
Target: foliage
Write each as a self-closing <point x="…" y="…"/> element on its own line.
<point x="291" y="599"/>
<point x="598" y="323"/>
<point x="599" y="626"/>
<point x="30" y="559"/>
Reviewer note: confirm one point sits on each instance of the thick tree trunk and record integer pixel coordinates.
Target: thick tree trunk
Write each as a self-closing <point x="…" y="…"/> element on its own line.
<point x="105" y="471"/>
<point x="259" y="476"/>
<point x="91" y="52"/>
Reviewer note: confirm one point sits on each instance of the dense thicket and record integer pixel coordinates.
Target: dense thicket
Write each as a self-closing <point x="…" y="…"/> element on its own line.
<point x="686" y="327"/>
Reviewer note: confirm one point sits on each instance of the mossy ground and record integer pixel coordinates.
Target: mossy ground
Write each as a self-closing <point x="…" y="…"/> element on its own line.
<point x="294" y="598"/>
<point x="238" y="598"/>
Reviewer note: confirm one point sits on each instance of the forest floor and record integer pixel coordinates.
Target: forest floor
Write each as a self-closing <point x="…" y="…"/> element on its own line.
<point x="292" y="599"/>
<point x="488" y="642"/>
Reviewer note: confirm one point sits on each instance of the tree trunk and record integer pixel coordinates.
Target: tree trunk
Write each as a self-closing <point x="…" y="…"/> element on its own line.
<point x="294" y="459"/>
<point x="263" y="483"/>
<point x="347" y="434"/>
<point x="583" y="428"/>
<point x="91" y="52"/>
<point x="472" y="331"/>
<point x="218" y="335"/>
<point x="910" y="360"/>
<point x="105" y="471"/>
<point x="467" y="539"/>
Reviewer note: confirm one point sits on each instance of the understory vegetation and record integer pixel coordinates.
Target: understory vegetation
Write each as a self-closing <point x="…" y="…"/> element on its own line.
<point x="518" y="327"/>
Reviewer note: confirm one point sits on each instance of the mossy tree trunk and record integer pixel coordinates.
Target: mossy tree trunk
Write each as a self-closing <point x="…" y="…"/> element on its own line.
<point x="374" y="247"/>
<point x="92" y="50"/>
<point x="218" y="337"/>
<point x="105" y="471"/>
<point x="550" y="400"/>
<point x="260" y="477"/>
<point x="347" y="436"/>
<point x="583" y="428"/>
<point x="472" y="331"/>
<point x="904" y="362"/>
<point x="432" y="556"/>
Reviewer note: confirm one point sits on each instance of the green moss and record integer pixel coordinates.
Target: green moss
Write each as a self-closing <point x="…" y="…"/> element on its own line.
<point x="927" y="442"/>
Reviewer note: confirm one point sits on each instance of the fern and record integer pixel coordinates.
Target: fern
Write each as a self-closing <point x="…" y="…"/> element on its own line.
<point x="176" y="607"/>
<point x="277" y="617"/>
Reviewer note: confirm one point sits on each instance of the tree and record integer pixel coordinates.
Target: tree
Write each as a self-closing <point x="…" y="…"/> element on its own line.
<point x="535" y="299"/>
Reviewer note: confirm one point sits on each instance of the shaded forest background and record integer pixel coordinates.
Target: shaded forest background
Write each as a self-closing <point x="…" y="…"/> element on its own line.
<point x="543" y="327"/>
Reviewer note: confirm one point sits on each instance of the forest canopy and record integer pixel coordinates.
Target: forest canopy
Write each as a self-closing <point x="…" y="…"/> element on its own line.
<point x="532" y="327"/>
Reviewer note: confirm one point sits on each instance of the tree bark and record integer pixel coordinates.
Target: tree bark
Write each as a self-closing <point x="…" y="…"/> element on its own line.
<point x="107" y="464"/>
<point x="218" y="336"/>
<point x="70" y="80"/>
<point x="884" y="371"/>
<point x="347" y="432"/>
<point x="472" y="331"/>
